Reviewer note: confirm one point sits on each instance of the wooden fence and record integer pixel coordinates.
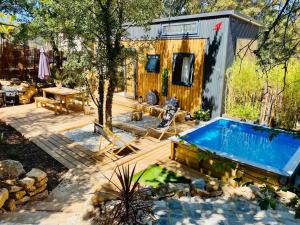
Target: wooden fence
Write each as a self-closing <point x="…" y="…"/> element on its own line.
<point x="18" y="61"/>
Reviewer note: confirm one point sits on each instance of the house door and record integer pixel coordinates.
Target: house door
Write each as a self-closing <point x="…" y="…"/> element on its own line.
<point x="130" y="75"/>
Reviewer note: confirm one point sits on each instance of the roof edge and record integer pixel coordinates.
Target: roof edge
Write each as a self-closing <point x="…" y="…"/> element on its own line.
<point x="231" y="13"/>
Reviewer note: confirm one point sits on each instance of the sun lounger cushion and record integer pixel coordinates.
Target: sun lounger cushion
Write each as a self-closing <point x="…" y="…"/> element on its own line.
<point x="168" y="116"/>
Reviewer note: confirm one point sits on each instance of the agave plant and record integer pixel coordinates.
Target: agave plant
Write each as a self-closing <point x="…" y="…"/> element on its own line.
<point x="131" y="206"/>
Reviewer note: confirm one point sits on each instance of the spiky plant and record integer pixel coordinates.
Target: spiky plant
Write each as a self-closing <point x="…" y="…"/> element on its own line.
<point x="131" y="206"/>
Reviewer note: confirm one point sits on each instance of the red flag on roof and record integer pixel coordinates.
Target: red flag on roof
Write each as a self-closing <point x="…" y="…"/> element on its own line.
<point x="218" y="26"/>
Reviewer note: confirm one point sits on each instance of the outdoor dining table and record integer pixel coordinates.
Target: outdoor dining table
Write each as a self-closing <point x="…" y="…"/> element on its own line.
<point x="64" y="95"/>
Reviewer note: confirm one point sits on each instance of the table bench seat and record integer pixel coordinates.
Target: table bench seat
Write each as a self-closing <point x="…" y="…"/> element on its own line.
<point x="47" y="101"/>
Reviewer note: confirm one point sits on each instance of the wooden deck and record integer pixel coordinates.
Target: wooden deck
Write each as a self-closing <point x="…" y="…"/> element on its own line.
<point x="45" y="129"/>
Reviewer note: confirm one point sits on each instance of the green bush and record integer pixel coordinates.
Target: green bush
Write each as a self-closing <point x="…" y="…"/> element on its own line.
<point x="246" y="92"/>
<point x="244" y="88"/>
<point x="202" y="115"/>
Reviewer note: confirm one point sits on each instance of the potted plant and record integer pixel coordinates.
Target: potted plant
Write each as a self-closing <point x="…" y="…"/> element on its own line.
<point x="201" y="115"/>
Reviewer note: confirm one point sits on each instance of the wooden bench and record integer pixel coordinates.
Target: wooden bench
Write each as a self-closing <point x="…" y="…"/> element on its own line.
<point x="46" y="101"/>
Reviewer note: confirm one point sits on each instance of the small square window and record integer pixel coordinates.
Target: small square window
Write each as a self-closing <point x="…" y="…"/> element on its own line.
<point x="183" y="69"/>
<point x="153" y="63"/>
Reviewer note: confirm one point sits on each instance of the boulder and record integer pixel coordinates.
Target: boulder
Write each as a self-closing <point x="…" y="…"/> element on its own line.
<point x="198" y="188"/>
<point x="14" y="188"/>
<point x="40" y="196"/>
<point x="41" y="183"/>
<point x="212" y="185"/>
<point x="256" y="191"/>
<point x="285" y="196"/>
<point x="244" y="192"/>
<point x="100" y="197"/>
<point x="10" y="182"/>
<point x="38" y="190"/>
<point x="23" y="200"/>
<point x="18" y="195"/>
<point x="10" y="205"/>
<point x="10" y="169"/>
<point x="26" y="182"/>
<point x="3" y="196"/>
<point x="37" y="174"/>
<point x="147" y="191"/>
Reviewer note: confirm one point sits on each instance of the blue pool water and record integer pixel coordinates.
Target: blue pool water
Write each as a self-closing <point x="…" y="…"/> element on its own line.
<point x="255" y="145"/>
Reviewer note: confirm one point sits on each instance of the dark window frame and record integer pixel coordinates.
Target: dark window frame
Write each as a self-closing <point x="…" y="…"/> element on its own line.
<point x="180" y="56"/>
<point x="157" y="67"/>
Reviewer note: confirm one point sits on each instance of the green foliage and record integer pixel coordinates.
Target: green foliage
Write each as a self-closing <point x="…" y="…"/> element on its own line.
<point x="165" y="79"/>
<point x="156" y="176"/>
<point x="289" y="112"/>
<point x="74" y="69"/>
<point x="246" y="87"/>
<point x="202" y="115"/>
<point x="269" y="199"/>
<point x="244" y="90"/>
<point x="131" y="200"/>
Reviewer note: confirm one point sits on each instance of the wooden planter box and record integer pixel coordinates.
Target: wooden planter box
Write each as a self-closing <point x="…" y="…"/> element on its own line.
<point x="190" y="156"/>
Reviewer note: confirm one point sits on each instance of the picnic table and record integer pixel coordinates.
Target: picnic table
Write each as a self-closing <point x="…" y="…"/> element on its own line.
<point x="64" y="95"/>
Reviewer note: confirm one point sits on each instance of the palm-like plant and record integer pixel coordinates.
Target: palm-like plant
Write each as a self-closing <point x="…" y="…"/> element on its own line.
<point x="130" y="206"/>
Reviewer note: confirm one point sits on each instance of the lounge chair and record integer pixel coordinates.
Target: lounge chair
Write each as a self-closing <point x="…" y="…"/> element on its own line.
<point x="168" y="122"/>
<point x="120" y="141"/>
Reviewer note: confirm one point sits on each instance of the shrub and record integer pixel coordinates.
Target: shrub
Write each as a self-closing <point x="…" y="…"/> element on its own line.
<point x="202" y="115"/>
<point x="243" y="90"/>
<point x="131" y="206"/>
<point x="250" y="93"/>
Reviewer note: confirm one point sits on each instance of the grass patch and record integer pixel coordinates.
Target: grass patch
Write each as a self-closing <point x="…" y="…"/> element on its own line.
<point x="156" y="175"/>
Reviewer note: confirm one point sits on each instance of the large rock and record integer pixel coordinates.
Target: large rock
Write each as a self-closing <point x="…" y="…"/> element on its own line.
<point x="198" y="188"/>
<point x="10" y="169"/>
<point x="10" y="205"/>
<point x="23" y="200"/>
<point x="285" y="196"/>
<point x="14" y="188"/>
<point x="40" y="196"/>
<point x="26" y="182"/>
<point x="244" y="192"/>
<point x="18" y="195"/>
<point x="100" y="197"/>
<point x="212" y="185"/>
<point x="37" y="174"/>
<point x="37" y="190"/>
<point x="41" y="183"/>
<point x="3" y="196"/>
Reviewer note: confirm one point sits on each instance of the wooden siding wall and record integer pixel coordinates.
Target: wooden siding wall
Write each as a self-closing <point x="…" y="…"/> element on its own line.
<point x="189" y="97"/>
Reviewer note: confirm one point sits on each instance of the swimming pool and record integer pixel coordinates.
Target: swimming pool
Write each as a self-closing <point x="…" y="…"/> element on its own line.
<point x="271" y="150"/>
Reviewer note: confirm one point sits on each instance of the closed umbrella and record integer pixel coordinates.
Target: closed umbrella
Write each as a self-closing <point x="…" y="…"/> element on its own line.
<point x="44" y="69"/>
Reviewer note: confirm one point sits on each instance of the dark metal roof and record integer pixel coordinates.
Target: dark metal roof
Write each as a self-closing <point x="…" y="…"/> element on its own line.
<point x="226" y="13"/>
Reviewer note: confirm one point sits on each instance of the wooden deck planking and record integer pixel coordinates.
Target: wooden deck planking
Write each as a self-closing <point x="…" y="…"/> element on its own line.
<point x="76" y="151"/>
<point x="44" y="128"/>
<point x="52" y="153"/>
<point x="69" y="152"/>
<point x="65" y="152"/>
<point x="61" y="152"/>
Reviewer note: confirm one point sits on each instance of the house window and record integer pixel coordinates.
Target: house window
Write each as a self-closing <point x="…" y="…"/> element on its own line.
<point x="153" y="63"/>
<point x="175" y="29"/>
<point x="183" y="69"/>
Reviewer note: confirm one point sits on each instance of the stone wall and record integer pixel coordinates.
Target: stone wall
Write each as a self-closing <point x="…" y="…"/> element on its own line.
<point x="18" y="187"/>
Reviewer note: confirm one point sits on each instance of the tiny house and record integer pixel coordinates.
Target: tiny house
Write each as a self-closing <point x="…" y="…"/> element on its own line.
<point x="187" y="57"/>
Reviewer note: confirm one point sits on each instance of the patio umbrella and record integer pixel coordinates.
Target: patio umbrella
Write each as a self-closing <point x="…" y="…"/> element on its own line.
<point x="44" y="69"/>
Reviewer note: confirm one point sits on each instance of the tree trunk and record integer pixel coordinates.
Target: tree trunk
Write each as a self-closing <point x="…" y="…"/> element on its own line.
<point x="109" y="101"/>
<point x="101" y="99"/>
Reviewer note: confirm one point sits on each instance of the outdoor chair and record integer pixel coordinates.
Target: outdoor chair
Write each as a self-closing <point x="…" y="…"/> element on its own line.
<point x="168" y="124"/>
<point x="121" y="142"/>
